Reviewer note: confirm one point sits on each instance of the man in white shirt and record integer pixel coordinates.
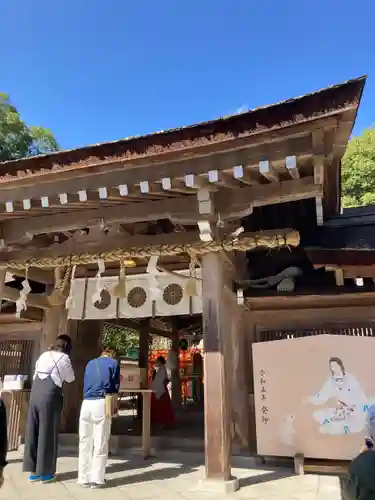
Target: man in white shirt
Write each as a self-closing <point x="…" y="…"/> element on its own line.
<point x="52" y="369"/>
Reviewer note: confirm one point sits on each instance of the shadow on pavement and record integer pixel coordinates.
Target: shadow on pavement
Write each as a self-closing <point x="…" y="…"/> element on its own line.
<point x="264" y="478"/>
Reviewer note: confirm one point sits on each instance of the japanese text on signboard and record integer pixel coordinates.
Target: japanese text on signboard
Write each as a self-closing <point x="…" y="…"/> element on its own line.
<point x="264" y="397"/>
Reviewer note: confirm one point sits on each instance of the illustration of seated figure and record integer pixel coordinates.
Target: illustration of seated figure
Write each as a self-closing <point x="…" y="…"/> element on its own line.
<point x="349" y="413"/>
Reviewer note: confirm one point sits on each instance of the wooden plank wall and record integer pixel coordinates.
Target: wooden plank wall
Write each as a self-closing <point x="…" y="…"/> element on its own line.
<point x="242" y="335"/>
<point x="358" y="330"/>
<point x="17" y="405"/>
<point x="19" y="347"/>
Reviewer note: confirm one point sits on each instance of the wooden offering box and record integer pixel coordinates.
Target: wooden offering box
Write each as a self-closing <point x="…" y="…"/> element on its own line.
<point x="132" y="377"/>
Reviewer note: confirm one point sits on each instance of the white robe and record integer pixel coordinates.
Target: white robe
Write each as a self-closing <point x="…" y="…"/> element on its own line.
<point x="158" y="383"/>
<point x="349" y="415"/>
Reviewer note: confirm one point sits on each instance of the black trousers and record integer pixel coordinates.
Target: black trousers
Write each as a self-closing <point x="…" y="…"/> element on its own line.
<point x="43" y="425"/>
<point x="3" y="435"/>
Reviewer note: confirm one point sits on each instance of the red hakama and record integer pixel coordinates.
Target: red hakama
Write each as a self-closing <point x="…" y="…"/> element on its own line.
<point x="161" y="409"/>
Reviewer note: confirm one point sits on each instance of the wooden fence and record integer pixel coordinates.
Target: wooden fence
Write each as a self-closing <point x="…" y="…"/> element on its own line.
<point x="358" y="331"/>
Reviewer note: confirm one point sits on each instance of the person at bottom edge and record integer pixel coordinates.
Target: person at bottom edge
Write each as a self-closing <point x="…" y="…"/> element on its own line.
<point x="3" y="440"/>
<point x="53" y="368"/>
<point x="101" y="387"/>
<point x="360" y="481"/>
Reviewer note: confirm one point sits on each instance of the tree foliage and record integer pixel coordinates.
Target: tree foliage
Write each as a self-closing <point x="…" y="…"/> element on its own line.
<point x="17" y="140"/>
<point x="121" y="339"/>
<point x="358" y="171"/>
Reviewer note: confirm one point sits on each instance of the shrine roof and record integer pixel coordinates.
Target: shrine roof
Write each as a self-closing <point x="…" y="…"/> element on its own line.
<point x="271" y="117"/>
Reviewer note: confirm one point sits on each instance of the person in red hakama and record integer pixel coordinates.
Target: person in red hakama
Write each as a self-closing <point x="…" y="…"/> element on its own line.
<point x="161" y="406"/>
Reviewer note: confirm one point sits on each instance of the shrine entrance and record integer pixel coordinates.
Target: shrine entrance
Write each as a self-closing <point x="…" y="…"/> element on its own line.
<point x="160" y="227"/>
<point x="185" y="374"/>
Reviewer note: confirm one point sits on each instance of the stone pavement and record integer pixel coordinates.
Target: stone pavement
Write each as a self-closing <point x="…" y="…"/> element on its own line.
<point x="171" y="476"/>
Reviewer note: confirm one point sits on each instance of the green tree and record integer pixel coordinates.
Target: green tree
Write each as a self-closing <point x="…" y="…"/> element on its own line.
<point x="17" y="140"/>
<point x="120" y="338"/>
<point x="358" y="171"/>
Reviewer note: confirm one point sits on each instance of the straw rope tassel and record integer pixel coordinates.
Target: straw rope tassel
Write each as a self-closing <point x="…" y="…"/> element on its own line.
<point x="58" y="295"/>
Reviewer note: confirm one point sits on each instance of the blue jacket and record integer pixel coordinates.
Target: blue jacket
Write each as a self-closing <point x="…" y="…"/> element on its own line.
<point x="102" y="376"/>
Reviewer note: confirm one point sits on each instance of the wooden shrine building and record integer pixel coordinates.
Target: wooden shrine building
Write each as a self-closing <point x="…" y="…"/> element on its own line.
<point x="247" y="206"/>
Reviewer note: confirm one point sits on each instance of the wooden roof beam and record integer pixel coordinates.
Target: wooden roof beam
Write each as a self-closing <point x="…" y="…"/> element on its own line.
<point x="198" y="182"/>
<point x="240" y="203"/>
<point x="185" y="208"/>
<point x="9" y="314"/>
<point x="176" y="186"/>
<point x="154" y="168"/>
<point x="292" y="167"/>
<point x="12" y="294"/>
<point x="219" y="178"/>
<point x="268" y="171"/>
<point x="245" y="175"/>
<point x="37" y="275"/>
<point x="184" y="211"/>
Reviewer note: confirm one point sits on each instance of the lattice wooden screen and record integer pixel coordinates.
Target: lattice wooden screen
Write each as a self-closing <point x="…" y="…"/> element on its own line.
<point x="360" y="331"/>
<point x="15" y="357"/>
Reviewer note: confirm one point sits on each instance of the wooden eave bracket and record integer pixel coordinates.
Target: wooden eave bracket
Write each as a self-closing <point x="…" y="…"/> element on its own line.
<point x="206" y="211"/>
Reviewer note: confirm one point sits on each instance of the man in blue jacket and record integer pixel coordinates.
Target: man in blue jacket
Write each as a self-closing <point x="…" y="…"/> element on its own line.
<point x="3" y="440"/>
<point x="101" y="386"/>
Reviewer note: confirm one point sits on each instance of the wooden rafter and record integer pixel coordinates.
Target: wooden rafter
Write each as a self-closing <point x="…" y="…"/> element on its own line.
<point x="267" y="170"/>
<point x="185" y="211"/>
<point x="292" y="167"/>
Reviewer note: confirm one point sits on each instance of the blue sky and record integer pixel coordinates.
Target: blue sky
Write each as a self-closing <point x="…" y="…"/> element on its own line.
<point x="95" y="71"/>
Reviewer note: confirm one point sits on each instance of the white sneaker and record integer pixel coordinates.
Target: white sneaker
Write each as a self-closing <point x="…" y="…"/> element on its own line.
<point x="84" y="484"/>
<point x="95" y="486"/>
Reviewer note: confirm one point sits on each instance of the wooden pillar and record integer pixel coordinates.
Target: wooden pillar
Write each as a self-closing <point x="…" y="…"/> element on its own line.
<point x="175" y="374"/>
<point x="143" y="357"/>
<point x="242" y="375"/>
<point x="143" y="344"/>
<point x="216" y="313"/>
<point x="87" y="343"/>
<point x="55" y="323"/>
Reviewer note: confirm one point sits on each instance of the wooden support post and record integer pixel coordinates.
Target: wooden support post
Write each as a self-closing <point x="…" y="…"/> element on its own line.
<point x="144" y="336"/>
<point x="299" y="460"/>
<point x="146" y="424"/>
<point x="318" y="146"/>
<point x="55" y="323"/>
<point x="175" y="374"/>
<point x="217" y="388"/>
<point x="143" y="344"/>
<point x="86" y="337"/>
